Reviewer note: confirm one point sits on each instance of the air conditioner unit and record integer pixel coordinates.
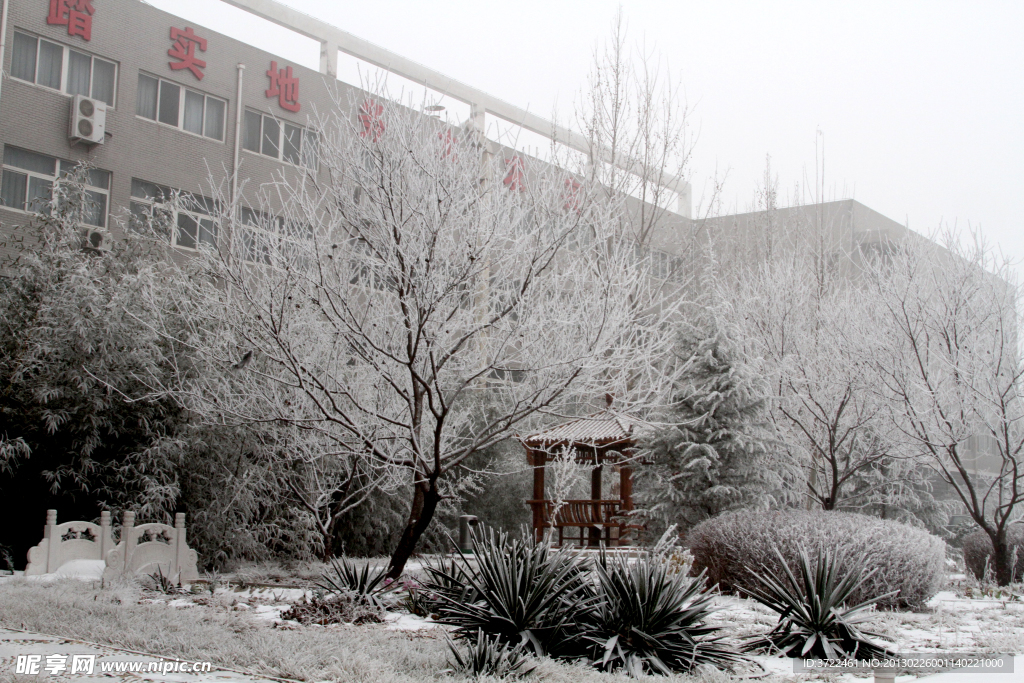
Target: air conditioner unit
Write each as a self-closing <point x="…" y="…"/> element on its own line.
<point x="88" y="120"/>
<point x="95" y="239"/>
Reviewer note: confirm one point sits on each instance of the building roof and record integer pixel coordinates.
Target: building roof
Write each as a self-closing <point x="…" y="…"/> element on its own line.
<point x="603" y="428"/>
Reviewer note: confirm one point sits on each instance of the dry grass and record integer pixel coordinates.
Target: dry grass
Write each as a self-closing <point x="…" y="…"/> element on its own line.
<point x="369" y="653"/>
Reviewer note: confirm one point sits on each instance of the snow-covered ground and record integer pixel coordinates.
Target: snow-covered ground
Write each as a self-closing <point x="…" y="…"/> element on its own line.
<point x="954" y="620"/>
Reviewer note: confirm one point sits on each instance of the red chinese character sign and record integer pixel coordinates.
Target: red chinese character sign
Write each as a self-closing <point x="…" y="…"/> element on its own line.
<point x="284" y="86"/>
<point x="449" y="145"/>
<point x="75" y="14"/>
<point x="571" y="195"/>
<point x="184" y="50"/>
<point x="515" y="178"/>
<point x="371" y="116"/>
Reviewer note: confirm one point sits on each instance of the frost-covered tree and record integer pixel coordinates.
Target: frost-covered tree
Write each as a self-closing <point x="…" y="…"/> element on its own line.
<point x="952" y="370"/>
<point x="711" y="450"/>
<point x="817" y="333"/>
<point x="635" y="120"/>
<point x="419" y="301"/>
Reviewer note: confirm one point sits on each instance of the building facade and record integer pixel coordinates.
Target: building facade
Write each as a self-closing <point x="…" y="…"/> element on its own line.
<point x="183" y="106"/>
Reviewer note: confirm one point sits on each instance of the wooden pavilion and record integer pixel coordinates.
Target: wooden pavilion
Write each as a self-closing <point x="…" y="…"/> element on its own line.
<point x="603" y="440"/>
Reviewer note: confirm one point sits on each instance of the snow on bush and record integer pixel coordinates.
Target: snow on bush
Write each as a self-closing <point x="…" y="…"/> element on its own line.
<point x="978" y="552"/>
<point x="732" y="546"/>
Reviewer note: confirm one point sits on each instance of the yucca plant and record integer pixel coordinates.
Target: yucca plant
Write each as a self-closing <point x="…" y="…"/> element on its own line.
<point x="649" y="618"/>
<point x="345" y="578"/>
<point x="519" y="592"/>
<point x="484" y="656"/>
<point x="445" y="577"/>
<point x="814" y="619"/>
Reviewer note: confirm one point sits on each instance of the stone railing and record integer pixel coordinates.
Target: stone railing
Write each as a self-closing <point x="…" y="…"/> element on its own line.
<point x="69" y="541"/>
<point x="143" y="549"/>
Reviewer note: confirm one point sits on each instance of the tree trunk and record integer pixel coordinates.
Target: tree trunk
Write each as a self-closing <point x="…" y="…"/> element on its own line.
<point x="424" y="502"/>
<point x="1002" y="558"/>
<point x="328" y="535"/>
<point x="328" y="547"/>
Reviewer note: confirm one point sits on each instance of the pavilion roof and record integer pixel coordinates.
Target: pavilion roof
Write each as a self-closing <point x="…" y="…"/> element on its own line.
<point x="603" y="428"/>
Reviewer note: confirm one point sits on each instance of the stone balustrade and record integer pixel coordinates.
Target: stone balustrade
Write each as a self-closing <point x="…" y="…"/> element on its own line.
<point x="143" y="549"/>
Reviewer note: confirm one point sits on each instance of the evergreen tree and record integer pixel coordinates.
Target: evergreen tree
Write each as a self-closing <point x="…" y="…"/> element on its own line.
<point x="710" y="453"/>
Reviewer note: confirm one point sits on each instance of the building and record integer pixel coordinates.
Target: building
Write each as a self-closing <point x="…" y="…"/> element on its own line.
<point x="177" y="105"/>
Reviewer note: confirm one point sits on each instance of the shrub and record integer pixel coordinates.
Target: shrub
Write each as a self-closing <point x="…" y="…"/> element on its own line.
<point x="816" y="618"/>
<point x="525" y="593"/>
<point x="340" y="608"/>
<point x="648" y="618"/>
<point x="978" y="552"/>
<point x="365" y="586"/>
<point x="735" y="545"/>
<point x="490" y="657"/>
<point x="443" y="578"/>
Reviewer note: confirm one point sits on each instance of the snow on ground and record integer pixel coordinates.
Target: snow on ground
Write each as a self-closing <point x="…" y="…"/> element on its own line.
<point x="86" y="570"/>
<point x="954" y="620"/>
<point x="402" y="621"/>
<point x="89" y="570"/>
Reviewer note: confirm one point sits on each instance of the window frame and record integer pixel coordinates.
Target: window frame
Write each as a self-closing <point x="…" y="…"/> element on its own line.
<point x="51" y="179"/>
<point x="65" y="71"/>
<point x="283" y="125"/>
<point x="183" y="90"/>
<point x="192" y="211"/>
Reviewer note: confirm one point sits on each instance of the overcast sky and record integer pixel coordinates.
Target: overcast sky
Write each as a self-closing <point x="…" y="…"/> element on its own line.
<point x="920" y="104"/>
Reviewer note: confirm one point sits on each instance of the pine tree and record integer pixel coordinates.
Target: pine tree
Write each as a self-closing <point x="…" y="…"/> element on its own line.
<point x="711" y="451"/>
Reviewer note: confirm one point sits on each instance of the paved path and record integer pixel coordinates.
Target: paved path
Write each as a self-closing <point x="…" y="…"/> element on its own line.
<point x="31" y="645"/>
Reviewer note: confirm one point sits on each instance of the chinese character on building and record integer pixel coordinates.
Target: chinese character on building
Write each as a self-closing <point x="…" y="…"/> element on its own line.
<point x="515" y="179"/>
<point x="284" y="86"/>
<point x="448" y="144"/>
<point x="370" y="113"/>
<point x="75" y="14"/>
<point x="571" y="195"/>
<point x="184" y="50"/>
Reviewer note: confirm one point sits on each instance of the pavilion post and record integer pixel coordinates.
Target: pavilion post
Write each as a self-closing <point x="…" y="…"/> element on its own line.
<point x="595" y="495"/>
<point x="626" y="487"/>
<point x="538" y="493"/>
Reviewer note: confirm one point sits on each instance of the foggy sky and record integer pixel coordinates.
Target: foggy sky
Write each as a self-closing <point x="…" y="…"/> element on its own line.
<point x="919" y="104"/>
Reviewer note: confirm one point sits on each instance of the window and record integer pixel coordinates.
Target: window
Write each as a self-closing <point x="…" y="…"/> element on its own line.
<point x="274" y="241"/>
<point x="28" y="181"/>
<point x="174" y="105"/>
<point x="56" y="66"/>
<point x="190" y="215"/>
<point x="664" y="266"/>
<point x="281" y="140"/>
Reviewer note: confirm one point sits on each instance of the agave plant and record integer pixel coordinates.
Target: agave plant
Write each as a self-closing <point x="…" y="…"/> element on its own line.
<point x="814" y="619"/>
<point x="345" y="578"/>
<point x="650" y="618"/>
<point x="519" y="592"/>
<point x="485" y="656"/>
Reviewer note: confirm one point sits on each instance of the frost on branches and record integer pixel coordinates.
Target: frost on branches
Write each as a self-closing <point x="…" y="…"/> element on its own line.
<point x="952" y="371"/>
<point x="412" y="310"/>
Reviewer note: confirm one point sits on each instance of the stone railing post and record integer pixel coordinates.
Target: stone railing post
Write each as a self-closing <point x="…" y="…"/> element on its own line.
<point x="180" y="547"/>
<point x="52" y="540"/>
<point x="106" y="540"/>
<point x="128" y="538"/>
